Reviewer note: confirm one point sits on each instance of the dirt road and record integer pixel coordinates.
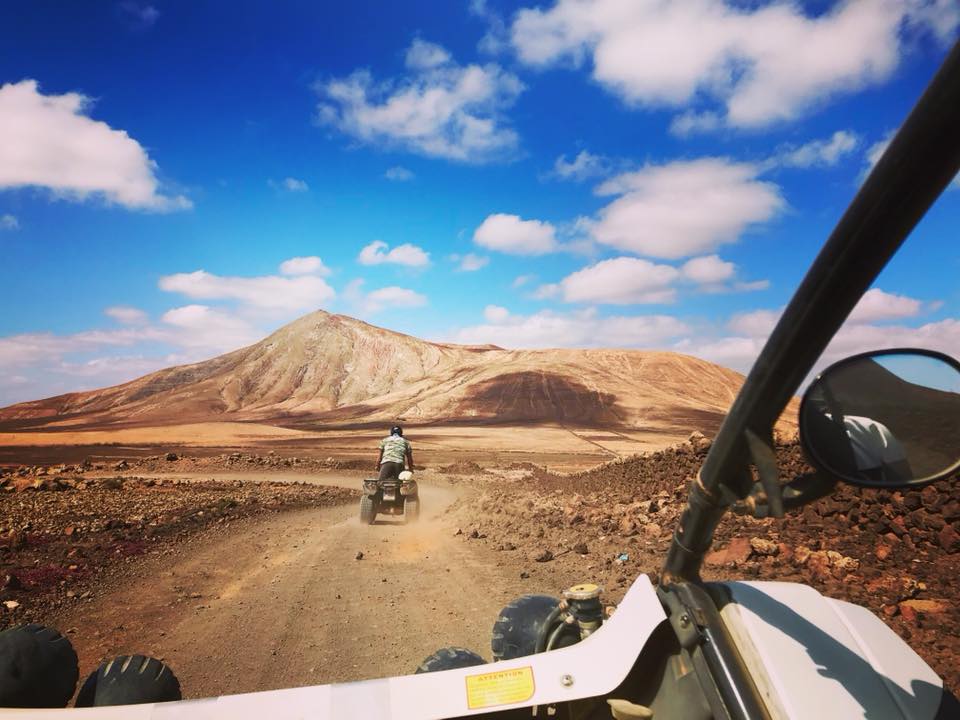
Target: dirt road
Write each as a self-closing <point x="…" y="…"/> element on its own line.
<point x="283" y="601"/>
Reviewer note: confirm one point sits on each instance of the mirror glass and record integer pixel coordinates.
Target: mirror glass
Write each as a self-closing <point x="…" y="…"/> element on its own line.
<point x="889" y="418"/>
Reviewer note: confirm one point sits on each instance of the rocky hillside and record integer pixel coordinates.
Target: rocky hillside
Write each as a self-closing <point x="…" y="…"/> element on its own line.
<point x="332" y="369"/>
<point x="894" y="552"/>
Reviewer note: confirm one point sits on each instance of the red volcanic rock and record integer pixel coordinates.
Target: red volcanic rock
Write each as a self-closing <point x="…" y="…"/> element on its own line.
<point x="931" y="607"/>
<point x="949" y="539"/>
<point x="736" y="553"/>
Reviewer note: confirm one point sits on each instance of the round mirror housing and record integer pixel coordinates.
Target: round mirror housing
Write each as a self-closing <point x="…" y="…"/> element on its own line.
<point x="889" y="418"/>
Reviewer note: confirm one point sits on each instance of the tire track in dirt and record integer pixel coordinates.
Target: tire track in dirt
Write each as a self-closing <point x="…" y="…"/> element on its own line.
<point x="282" y="601"/>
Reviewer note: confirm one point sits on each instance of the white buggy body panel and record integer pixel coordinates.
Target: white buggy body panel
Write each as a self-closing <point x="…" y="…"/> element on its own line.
<point x="810" y="656"/>
<point x="815" y="657"/>
<point x="590" y="668"/>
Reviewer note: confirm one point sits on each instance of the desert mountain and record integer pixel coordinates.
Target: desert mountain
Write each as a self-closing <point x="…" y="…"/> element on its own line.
<point x="326" y="369"/>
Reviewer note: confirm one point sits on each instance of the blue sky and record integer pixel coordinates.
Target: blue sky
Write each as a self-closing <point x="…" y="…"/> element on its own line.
<point x="179" y="179"/>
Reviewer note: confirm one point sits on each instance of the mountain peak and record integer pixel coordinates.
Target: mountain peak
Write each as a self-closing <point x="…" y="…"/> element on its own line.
<point x="331" y="368"/>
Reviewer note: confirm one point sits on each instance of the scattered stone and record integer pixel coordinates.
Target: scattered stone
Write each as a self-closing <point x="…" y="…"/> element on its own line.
<point x="652" y="530"/>
<point x="544" y="556"/>
<point x="949" y="539"/>
<point x="11" y="582"/>
<point x="171" y="456"/>
<point x="737" y="552"/>
<point x="930" y="607"/>
<point x="458" y="532"/>
<point x="908" y="613"/>
<point x="698" y="441"/>
<point x="359" y="555"/>
<point x="524" y="574"/>
<point x="581" y="548"/>
<point x="11" y="604"/>
<point x="764" y="547"/>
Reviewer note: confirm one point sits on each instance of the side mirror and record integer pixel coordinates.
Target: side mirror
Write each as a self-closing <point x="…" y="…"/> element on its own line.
<point x="889" y="418"/>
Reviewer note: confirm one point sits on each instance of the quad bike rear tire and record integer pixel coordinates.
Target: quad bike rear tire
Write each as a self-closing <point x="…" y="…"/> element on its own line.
<point x="411" y="509"/>
<point x="367" y="510"/>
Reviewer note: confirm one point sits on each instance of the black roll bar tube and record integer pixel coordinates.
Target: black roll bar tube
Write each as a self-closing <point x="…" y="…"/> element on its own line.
<point x="918" y="165"/>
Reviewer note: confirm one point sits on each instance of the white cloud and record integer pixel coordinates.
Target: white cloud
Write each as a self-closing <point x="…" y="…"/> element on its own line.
<point x="295" y="185"/>
<point x="750" y="286"/>
<point x="878" y="305"/>
<point x="585" y="328"/>
<point x="943" y="335"/>
<point x="497" y="37"/>
<point x="621" y="281"/>
<point x="9" y="222"/>
<point x="289" y="184"/>
<point x="126" y="315"/>
<point x="820" y="152"/>
<point x="49" y="141"/>
<point x="112" y="369"/>
<point x="309" y="265"/>
<point x="684" y="208"/>
<point x="708" y="270"/>
<point x="441" y="109"/>
<point x="34" y="350"/>
<point x="206" y="328"/>
<point x="759" y="64"/>
<point x="472" y="263"/>
<point x="548" y="291"/>
<point x="368" y="303"/>
<point x="860" y="333"/>
<point x="521" y="280"/>
<point x="271" y="293"/>
<point x="693" y="123"/>
<point x="422" y="55"/>
<point x="495" y="314"/>
<point x="515" y="236"/>
<point x="140" y="15"/>
<point x="756" y="324"/>
<point x="398" y="173"/>
<point x="407" y="254"/>
<point x="585" y="165"/>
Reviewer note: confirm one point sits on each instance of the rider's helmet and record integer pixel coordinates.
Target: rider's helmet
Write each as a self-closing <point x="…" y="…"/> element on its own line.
<point x="396" y="430"/>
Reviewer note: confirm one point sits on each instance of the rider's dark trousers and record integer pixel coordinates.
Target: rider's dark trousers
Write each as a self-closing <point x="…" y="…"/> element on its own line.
<point x="390" y="470"/>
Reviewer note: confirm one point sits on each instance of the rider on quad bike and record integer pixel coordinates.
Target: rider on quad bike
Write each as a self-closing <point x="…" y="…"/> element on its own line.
<point x="394" y="450"/>
<point x="395" y="491"/>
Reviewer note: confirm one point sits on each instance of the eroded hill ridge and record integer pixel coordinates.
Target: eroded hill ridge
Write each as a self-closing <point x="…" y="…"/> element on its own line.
<point x="335" y="370"/>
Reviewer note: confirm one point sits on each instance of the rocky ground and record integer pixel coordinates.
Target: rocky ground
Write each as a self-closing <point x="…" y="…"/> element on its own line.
<point x="897" y="553"/>
<point x="64" y="531"/>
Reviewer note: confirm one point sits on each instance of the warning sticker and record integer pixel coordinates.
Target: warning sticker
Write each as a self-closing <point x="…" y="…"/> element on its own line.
<point x="499" y="688"/>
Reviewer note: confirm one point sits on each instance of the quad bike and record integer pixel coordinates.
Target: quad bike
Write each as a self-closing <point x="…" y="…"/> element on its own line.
<point x="686" y="649"/>
<point x="393" y="496"/>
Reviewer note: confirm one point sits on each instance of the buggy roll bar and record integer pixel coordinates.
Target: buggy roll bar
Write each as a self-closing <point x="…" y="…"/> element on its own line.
<point x="919" y="163"/>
